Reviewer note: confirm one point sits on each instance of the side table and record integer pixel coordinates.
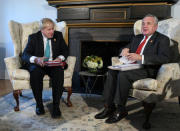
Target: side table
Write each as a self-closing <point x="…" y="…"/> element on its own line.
<point x="88" y="82"/>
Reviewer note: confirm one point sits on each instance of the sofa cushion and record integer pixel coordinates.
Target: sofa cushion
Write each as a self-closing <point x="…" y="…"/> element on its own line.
<point x="148" y="84"/>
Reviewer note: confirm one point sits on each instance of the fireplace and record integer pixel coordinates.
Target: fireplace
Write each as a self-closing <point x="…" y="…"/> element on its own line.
<point x="104" y="49"/>
<point x="93" y="26"/>
<point x="88" y="40"/>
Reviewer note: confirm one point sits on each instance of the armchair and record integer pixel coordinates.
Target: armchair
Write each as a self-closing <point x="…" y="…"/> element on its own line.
<point x="19" y="77"/>
<point x="167" y="83"/>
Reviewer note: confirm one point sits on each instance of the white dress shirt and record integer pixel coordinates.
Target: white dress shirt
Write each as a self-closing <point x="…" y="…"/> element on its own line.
<point x="142" y="50"/>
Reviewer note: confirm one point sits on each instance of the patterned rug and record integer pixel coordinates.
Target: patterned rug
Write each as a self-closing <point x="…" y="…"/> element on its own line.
<point x="80" y="117"/>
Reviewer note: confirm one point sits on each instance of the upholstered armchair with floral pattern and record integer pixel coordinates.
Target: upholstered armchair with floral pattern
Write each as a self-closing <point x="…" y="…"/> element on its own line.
<point x="167" y="83"/>
<point x="20" y="77"/>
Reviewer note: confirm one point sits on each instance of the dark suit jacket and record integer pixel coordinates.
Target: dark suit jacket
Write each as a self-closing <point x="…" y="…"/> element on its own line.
<point x="35" y="47"/>
<point x="156" y="52"/>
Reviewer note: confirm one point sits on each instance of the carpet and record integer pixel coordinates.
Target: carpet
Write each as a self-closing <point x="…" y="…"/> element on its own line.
<point x="80" y="117"/>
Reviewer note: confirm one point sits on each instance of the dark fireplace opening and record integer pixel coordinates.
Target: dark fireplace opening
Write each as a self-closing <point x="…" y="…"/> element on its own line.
<point x="104" y="49"/>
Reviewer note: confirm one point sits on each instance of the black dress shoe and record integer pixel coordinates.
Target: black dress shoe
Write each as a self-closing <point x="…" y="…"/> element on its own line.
<point x="105" y="113"/>
<point x="56" y="113"/>
<point x="40" y="110"/>
<point x="117" y="116"/>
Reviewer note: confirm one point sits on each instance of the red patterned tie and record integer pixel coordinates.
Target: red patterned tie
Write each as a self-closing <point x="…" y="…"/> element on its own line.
<point x="138" y="51"/>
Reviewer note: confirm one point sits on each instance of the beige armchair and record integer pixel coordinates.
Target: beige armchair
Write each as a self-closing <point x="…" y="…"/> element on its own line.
<point x="167" y="83"/>
<point x="19" y="77"/>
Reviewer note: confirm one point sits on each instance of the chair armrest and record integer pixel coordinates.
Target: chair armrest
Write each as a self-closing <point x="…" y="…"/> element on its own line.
<point x="147" y="84"/>
<point x="153" y="90"/>
<point x="12" y="63"/>
<point x="71" y="60"/>
<point x="166" y="73"/>
<point x="115" y="61"/>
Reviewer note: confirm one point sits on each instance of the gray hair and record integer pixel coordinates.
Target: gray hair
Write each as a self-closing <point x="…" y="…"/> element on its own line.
<point x="155" y="18"/>
<point x="45" y="22"/>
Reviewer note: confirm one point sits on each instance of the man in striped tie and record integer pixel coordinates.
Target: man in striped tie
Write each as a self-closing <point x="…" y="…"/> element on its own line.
<point x="47" y="44"/>
<point x="151" y="49"/>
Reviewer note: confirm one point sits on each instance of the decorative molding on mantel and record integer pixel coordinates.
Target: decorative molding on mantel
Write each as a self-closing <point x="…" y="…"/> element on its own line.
<point x="112" y="5"/>
<point x="83" y="11"/>
<point x="101" y="25"/>
<point x="95" y="25"/>
<point x="55" y="3"/>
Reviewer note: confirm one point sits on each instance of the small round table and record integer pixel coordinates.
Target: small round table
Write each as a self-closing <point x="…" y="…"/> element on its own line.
<point x="88" y="82"/>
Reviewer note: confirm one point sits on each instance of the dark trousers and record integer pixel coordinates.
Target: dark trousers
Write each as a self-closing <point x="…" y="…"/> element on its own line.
<point x="118" y="83"/>
<point x="36" y="81"/>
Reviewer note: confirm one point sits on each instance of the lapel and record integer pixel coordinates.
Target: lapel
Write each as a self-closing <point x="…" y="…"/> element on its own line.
<point x="41" y="43"/>
<point x="53" y="44"/>
<point x="151" y="41"/>
<point x="136" y="43"/>
<point x="139" y="40"/>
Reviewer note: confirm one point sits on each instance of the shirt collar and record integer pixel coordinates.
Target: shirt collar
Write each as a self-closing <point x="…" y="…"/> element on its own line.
<point x="44" y="37"/>
<point x="147" y="38"/>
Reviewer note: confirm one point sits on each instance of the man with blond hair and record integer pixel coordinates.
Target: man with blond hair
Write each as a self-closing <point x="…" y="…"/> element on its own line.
<point x="46" y="45"/>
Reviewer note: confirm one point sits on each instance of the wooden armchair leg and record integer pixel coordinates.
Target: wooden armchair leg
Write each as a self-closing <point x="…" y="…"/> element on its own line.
<point x="16" y="94"/>
<point x="179" y="100"/>
<point x="69" y="104"/>
<point x="148" y="107"/>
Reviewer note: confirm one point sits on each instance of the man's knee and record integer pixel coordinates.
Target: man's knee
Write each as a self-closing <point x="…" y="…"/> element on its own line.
<point x="36" y="74"/>
<point x="57" y="73"/>
<point x="112" y="73"/>
<point x="124" y="73"/>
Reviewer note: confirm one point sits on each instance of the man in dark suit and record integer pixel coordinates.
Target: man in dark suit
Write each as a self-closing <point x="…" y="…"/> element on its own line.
<point x="151" y="49"/>
<point x="46" y="45"/>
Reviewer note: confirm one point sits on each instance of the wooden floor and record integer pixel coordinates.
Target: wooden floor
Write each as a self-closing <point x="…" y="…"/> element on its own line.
<point x="5" y="87"/>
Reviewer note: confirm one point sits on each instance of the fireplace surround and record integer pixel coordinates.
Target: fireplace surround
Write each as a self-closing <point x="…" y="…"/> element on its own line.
<point x="88" y="40"/>
<point x="103" y="21"/>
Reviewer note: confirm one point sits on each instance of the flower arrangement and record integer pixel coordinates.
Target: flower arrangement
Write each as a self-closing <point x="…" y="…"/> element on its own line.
<point x="93" y="63"/>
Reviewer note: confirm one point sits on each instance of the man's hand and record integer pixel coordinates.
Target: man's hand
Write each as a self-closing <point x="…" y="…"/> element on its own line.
<point x="39" y="61"/>
<point x="134" y="56"/>
<point x="58" y="60"/>
<point x="125" y="52"/>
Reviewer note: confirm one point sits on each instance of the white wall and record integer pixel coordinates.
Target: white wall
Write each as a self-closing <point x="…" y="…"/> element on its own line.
<point x="21" y="11"/>
<point x="175" y="10"/>
<point x="27" y="11"/>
